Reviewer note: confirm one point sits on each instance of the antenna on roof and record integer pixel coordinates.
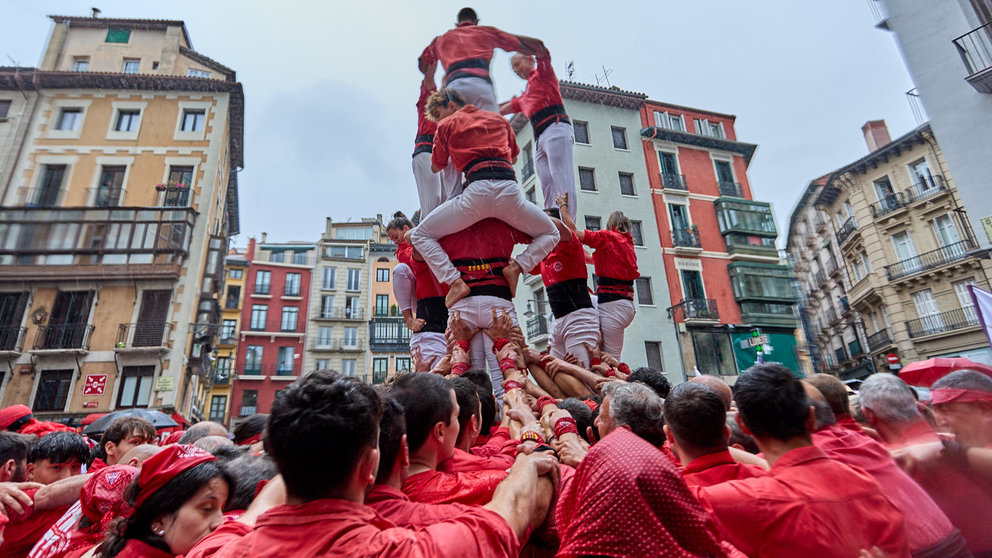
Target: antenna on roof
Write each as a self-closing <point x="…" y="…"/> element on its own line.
<point x="570" y="69"/>
<point x="606" y="77"/>
<point x="96" y="12"/>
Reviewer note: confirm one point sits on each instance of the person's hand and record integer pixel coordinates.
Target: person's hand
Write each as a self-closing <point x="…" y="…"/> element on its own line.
<point x="517" y="337"/>
<point x="603" y="381"/>
<point x="621" y="376"/>
<point x="502" y="324"/>
<point x="13" y="497"/>
<point x="561" y="200"/>
<point x="570" y="451"/>
<point x="552" y="366"/>
<point x="459" y="329"/>
<point x="420" y="364"/>
<point x="519" y="416"/>
<point x="509" y="351"/>
<point x="414" y="324"/>
<point x="543" y="463"/>
<point x="443" y="366"/>
<point x="918" y="456"/>
<point x="609" y="359"/>
<point x="601" y="369"/>
<point x="531" y="355"/>
<point x="571" y="359"/>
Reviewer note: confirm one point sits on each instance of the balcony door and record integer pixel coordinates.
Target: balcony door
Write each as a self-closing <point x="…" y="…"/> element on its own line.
<point x="905" y="251"/>
<point x="947" y="236"/>
<point x="152" y="315"/>
<point x="921" y="174"/>
<point x="926" y="309"/>
<point x="67" y="322"/>
<point x="12" y="307"/>
<point x="964" y="298"/>
<point x="680" y="218"/>
<point x="109" y="189"/>
<point x="692" y="285"/>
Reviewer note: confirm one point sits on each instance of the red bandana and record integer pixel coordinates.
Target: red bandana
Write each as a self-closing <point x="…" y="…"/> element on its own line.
<point x="954" y="395"/>
<point x="252" y="440"/>
<point x="102" y="497"/>
<point x="162" y="467"/>
<point x="12" y="414"/>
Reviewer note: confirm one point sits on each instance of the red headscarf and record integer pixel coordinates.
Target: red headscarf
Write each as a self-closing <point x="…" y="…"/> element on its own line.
<point x="628" y="500"/>
<point x="10" y="415"/>
<point x="956" y="395"/>
<point x="102" y="497"/>
<point x="173" y="438"/>
<point x="159" y="469"/>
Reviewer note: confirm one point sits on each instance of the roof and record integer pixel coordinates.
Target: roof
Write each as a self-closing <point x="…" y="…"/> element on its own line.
<point x="699" y="140"/>
<point x="584" y="92"/>
<point x="140" y="24"/>
<point x="693" y="109"/>
<point x="208" y="62"/>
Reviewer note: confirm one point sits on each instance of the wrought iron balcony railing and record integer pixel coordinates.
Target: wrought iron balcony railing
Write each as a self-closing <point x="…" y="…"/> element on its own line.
<point x="929" y="260"/>
<point x="691" y="309"/>
<point x="12" y="338"/>
<point x="63" y="337"/>
<point x="975" y="48"/>
<point x="942" y="322"/>
<point x="143" y="335"/>
<point x="847" y="229"/>
<point x="673" y="181"/>
<point x="728" y="188"/>
<point x="538" y="325"/>
<point x="879" y="339"/>
<point x="686" y="238"/>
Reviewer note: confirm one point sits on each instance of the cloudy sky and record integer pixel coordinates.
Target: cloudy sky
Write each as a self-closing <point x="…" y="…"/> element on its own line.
<point x="330" y="86"/>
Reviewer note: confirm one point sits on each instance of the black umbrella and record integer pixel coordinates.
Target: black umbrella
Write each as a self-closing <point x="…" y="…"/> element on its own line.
<point x="158" y="419"/>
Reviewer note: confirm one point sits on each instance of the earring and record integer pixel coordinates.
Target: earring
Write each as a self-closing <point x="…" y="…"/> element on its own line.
<point x="161" y="532"/>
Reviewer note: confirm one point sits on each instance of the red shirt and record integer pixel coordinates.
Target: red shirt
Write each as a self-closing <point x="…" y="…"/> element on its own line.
<point x="541" y="92"/>
<point x="438" y="487"/>
<point x="614" y="256"/>
<point x="427" y="284"/>
<point x="499" y="443"/>
<point x="425" y="126"/>
<point x="63" y="536"/>
<point x="567" y="261"/>
<point x="21" y="534"/>
<point x="468" y="41"/>
<point x="471" y="134"/>
<point x="463" y="461"/>
<point x="850" y="424"/>
<point x="344" y="528"/>
<point x="926" y="524"/>
<point x="398" y="508"/>
<point x="716" y="468"/>
<point x="807" y="505"/>
<point x="486" y="240"/>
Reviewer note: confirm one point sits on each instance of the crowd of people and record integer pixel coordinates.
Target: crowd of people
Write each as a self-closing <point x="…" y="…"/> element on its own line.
<point x="491" y="448"/>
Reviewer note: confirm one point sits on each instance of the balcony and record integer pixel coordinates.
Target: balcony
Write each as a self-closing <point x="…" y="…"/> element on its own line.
<point x="341" y="313"/>
<point x="262" y="289"/>
<point x="389" y="335"/>
<point x="975" y="48"/>
<point x="929" y="260"/>
<point x="820" y="223"/>
<point x="829" y="265"/>
<point x="732" y="189"/>
<point x="840" y="354"/>
<point x="227" y="339"/>
<point x="695" y="310"/>
<point x="68" y="338"/>
<point x="93" y="243"/>
<point x="745" y="245"/>
<point x="879" y="340"/>
<point x="231" y="303"/>
<point x="686" y="239"/>
<point x="674" y="182"/>
<point x="337" y="345"/>
<point x="854" y="349"/>
<point x="819" y="277"/>
<point x="831" y="314"/>
<point x="927" y="188"/>
<point x="269" y="369"/>
<point x="846" y="230"/>
<point x="536" y="327"/>
<point x="527" y="171"/>
<point x="943" y="322"/>
<point x="11" y="340"/>
<point x="148" y="337"/>
<point x="220" y="377"/>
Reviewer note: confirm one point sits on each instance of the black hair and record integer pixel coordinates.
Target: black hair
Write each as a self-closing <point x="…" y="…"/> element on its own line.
<point x="249" y="426"/>
<point x="467" y="14"/>
<point x="737" y="436"/>
<point x="696" y="416"/>
<point x="553" y="212"/>
<point x="468" y="402"/>
<point x="399" y="222"/>
<point x="121" y="428"/>
<point x="772" y="402"/>
<point x="59" y="447"/>
<point x="653" y="379"/>
<point x="426" y="401"/>
<point x="488" y="404"/>
<point x="199" y="430"/>
<point x="580" y="412"/>
<point x="416" y="218"/>
<point x="248" y="470"/>
<point x="479" y="377"/>
<point x="318" y="429"/>
<point x="228" y="452"/>
<point x="598" y="400"/>
<point x="164" y="501"/>
<point x="14" y="446"/>
<point x="392" y="427"/>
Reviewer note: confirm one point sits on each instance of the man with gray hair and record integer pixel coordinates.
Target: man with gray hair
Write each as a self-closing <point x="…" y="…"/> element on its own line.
<point x="634" y="406"/>
<point x="889" y="406"/>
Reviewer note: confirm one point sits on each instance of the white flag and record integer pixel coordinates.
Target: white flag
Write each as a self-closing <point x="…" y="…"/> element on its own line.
<point x="983" y="305"/>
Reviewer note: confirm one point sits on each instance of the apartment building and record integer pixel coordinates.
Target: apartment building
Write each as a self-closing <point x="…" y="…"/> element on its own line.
<point x="119" y="192"/>
<point x="275" y="309"/>
<point x="610" y="175"/>
<point x="884" y="253"/>
<point x="389" y="338"/>
<point x="235" y="269"/>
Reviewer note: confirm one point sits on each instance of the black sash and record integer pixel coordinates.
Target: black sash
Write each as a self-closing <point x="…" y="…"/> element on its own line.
<point x="546" y="117"/>
<point x="456" y="70"/>
<point x="434" y="313"/>
<point x="568" y="296"/>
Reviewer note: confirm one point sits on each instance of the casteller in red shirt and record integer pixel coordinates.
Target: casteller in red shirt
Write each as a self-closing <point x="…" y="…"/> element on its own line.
<point x="470" y="134"/>
<point x="716" y="468"/>
<point x="425" y="126"/>
<point x="24" y="531"/>
<point x="541" y="93"/>
<point x="397" y="507"/>
<point x="463" y="461"/>
<point x="480" y="251"/>
<point x="614" y="262"/>
<point x="438" y="487"/>
<point x="467" y="50"/>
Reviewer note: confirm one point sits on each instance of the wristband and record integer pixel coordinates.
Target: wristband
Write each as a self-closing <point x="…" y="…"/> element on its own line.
<point x="511" y="384"/>
<point x="462" y="344"/>
<point x="499" y="343"/>
<point x="532" y="435"/>
<point x="459" y="368"/>
<point x="623" y="368"/>
<point x="610" y="373"/>
<point x="565" y="425"/>
<point x="507" y="364"/>
<point x="595" y="360"/>
<point x="546" y="447"/>
<point x="591" y="404"/>
<point x="955" y="453"/>
<point x="544" y="401"/>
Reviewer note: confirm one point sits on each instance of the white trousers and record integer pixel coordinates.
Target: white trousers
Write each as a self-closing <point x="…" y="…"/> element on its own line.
<point x="476" y="312"/>
<point x="500" y="199"/>
<point x="431" y="345"/>
<point x="555" y="165"/>
<point x="614" y="317"/>
<point x="405" y="287"/>
<point x="572" y="332"/>
<point x="476" y="91"/>
<point x="433" y="188"/>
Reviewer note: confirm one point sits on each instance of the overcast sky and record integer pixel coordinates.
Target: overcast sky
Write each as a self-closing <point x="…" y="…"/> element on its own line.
<point x="330" y="86"/>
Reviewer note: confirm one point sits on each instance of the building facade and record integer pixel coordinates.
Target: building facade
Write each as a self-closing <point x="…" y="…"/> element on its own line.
<point x="389" y="338"/>
<point x="270" y="346"/>
<point x="610" y="175"/>
<point x="717" y="243"/>
<point x="119" y="194"/>
<point x="235" y="269"/>
<point x="884" y="254"/>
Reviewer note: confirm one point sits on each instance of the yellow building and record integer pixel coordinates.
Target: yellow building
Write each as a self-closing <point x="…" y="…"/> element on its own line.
<point x="235" y="268"/>
<point x="389" y="338"/>
<point x="118" y="200"/>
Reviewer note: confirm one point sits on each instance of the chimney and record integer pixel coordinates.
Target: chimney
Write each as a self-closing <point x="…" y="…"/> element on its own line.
<point x="265" y="237"/>
<point x="876" y="135"/>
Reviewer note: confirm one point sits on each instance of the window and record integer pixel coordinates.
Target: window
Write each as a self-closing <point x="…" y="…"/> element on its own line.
<point x="692" y="285"/>
<point x="227" y="329"/>
<point x="761" y="281"/>
<point x="249" y="402"/>
<point x="80" y="64"/>
<point x="669" y="121"/>
<point x="53" y="390"/>
<point x="193" y="120"/>
<point x="652" y="349"/>
<point x="67" y="323"/>
<point x="233" y="297"/>
<point x="745" y="216"/>
<point x="382" y="275"/>
<point x="348" y="367"/>
<point x="627" y="184"/>
<point x="643" y="287"/>
<point x="327" y="306"/>
<point x="635" y="231"/>
<point x="69" y="119"/>
<point x="351" y="310"/>
<point x="253" y="359"/>
<point x="593" y="223"/>
<point x="177" y="191"/>
<point x="50" y="185"/>
<point x="108" y="190"/>
<point x="587" y="179"/>
<point x="403" y="364"/>
<point x="127" y="121"/>
<point x="964" y="298"/>
<point x="322" y="364"/>
<point x="222" y="372"/>
<point x="380" y="369"/>
<point x="350" y="337"/>
<point x="581" y="131"/>
<point x="277" y="257"/>
<point x="292" y="287"/>
<point x="236" y="273"/>
<point x="259" y="313"/>
<point x="345" y="252"/>
<point x="193" y="72"/>
<point x="324" y="334"/>
<point x="131" y="65"/>
<point x="285" y="366"/>
<point x="12" y="307"/>
<point x="262" y="281"/>
<point x="707" y="128"/>
<point x="218" y="406"/>
<point x="527" y="170"/>
<point x="300" y="257"/>
<point x="289" y="317"/>
<point x="354" y="279"/>
<point x="328" y="279"/>
<point x="619" y="137"/>
<point x="382" y="305"/>
<point x="531" y="195"/>
<point x="354" y="233"/>
<point x="118" y="35"/>
<point x="4" y="107"/>
<point x="136" y="386"/>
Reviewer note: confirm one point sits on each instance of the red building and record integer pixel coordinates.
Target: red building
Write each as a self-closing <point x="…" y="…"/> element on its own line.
<point x="718" y="244"/>
<point x="273" y="324"/>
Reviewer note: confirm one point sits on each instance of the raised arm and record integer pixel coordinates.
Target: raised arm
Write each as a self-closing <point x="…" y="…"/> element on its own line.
<point x="566" y="218"/>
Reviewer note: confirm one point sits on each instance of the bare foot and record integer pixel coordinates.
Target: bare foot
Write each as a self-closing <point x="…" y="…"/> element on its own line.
<point x="457" y="291"/>
<point x="512" y="274"/>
